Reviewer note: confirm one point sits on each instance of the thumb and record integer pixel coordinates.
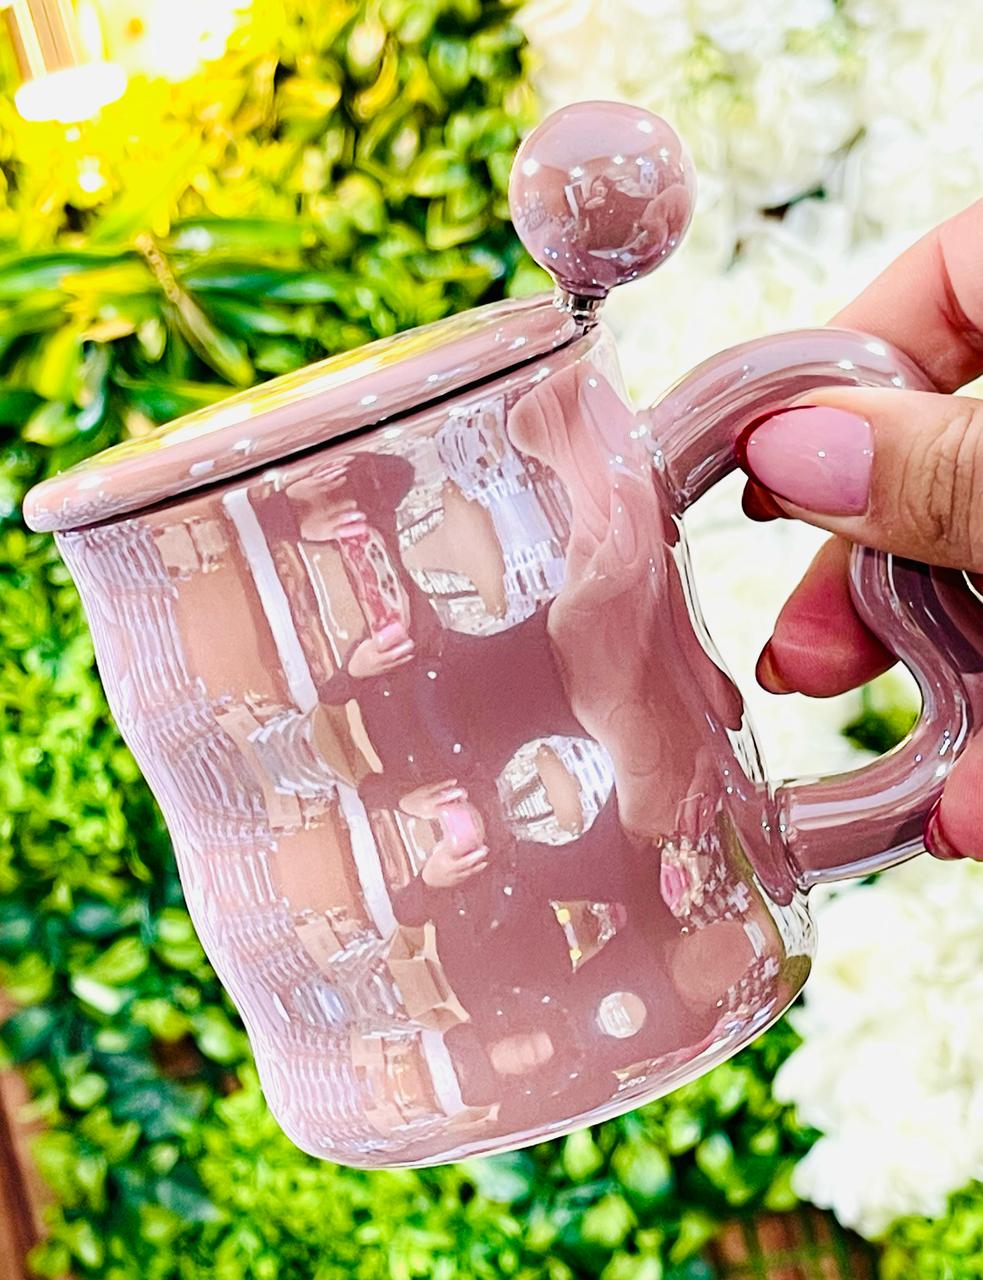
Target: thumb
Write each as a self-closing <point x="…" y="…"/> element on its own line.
<point x="898" y="470"/>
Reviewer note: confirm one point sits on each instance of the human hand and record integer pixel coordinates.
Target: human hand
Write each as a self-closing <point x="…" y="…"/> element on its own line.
<point x="326" y="515"/>
<point x="898" y="470"/>
<point x="311" y="488"/>
<point x="447" y="867"/>
<point x="384" y="651"/>
<point x="515" y="1055"/>
<point x="330" y="520"/>
<point x="424" y="802"/>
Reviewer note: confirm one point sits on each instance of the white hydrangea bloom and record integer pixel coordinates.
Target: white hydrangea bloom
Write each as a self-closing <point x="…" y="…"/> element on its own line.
<point x="870" y="100"/>
<point x="889" y="1068"/>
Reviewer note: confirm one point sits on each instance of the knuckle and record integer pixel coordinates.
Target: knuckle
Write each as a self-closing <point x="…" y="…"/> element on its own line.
<point x="941" y="493"/>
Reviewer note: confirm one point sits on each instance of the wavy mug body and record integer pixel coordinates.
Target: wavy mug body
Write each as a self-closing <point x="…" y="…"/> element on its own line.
<point x="466" y="809"/>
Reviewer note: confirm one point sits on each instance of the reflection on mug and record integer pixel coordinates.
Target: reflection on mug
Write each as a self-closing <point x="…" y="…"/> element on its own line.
<point x="497" y="878"/>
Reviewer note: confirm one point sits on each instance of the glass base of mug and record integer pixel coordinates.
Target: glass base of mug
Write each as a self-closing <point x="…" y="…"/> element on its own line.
<point x="713" y="1055"/>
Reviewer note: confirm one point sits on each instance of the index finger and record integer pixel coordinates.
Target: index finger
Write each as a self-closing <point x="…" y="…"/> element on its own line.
<point x="470" y="857"/>
<point x="930" y="302"/>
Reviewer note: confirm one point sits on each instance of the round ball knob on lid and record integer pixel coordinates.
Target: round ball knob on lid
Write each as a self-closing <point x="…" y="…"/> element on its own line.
<point x="601" y="193"/>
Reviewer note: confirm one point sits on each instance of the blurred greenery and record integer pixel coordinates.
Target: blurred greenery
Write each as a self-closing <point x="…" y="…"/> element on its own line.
<point x="338" y="175"/>
<point x="888" y="710"/>
<point x="948" y="1248"/>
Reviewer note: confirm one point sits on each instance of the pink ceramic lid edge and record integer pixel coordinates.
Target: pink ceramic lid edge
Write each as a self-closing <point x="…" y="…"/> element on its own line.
<point x="279" y="418"/>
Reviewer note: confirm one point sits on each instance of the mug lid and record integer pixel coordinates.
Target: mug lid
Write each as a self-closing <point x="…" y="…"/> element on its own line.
<point x="299" y="411"/>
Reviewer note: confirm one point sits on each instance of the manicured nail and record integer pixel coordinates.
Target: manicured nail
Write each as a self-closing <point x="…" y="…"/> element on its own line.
<point x="758" y="504"/>
<point x="768" y="675"/>
<point x="814" y="456"/>
<point x="936" y="841"/>
<point x="391" y="634"/>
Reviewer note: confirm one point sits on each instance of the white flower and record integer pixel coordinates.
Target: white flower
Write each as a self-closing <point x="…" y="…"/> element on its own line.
<point x="893" y="1037"/>
<point x="873" y="101"/>
<point x="926" y="172"/>
<point x="760" y="28"/>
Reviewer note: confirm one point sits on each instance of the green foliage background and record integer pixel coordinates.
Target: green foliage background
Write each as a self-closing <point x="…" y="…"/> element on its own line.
<point x="340" y="174"/>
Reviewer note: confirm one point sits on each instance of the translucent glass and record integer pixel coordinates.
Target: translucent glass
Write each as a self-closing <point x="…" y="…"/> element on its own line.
<point x="467" y="811"/>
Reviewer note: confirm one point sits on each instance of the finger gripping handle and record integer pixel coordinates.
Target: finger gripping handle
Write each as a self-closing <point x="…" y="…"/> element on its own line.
<point x="854" y="823"/>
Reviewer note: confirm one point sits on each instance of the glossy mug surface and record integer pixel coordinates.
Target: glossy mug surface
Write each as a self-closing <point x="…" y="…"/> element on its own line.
<point x="467" y="811"/>
<point x="468" y="817"/>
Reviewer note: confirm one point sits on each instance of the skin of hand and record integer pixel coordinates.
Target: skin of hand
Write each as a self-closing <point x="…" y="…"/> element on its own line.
<point x="515" y="1055"/>
<point x="424" y="802"/>
<point x="923" y="494"/>
<point x="332" y="519"/>
<point x="326" y="514"/>
<point x="384" y="651"/>
<point x="312" y="488"/>
<point x="447" y="867"/>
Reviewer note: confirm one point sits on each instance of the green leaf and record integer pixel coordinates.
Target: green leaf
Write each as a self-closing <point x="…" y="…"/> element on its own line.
<point x="163" y="399"/>
<point x="54" y="423"/>
<point x="246" y="320"/>
<point x="96" y="918"/>
<point x="118" y="964"/>
<point x="16" y="406"/>
<point x="148" y="203"/>
<point x="17" y="924"/>
<point x="58" y="364"/>
<point x="507" y="1178"/>
<point x="217" y="1037"/>
<point x="161" y="1109"/>
<point x="226" y="355"/>
<point x="581" y="1156"/>
<point x="235" y="236"/>
<point x="644" y="1171"/>
<point x="84" y="1244"/>
<point x="309" y="287"/>
<point x="438" y="172"/>
<point x="888" y="712"/>
<point x="21" y="276"/>
<point x="184" y="1193"/>
<point x="99" y="996"/>
<point x="608" y="1222"/>
<point x="86" y="1091"/>
<point x="26" y="1033"/>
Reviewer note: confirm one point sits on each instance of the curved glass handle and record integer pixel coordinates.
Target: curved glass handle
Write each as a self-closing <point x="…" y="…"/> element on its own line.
<point x="853" y="823"/>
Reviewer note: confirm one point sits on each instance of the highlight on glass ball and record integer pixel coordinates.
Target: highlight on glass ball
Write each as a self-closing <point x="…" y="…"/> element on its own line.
<point x="601" y="193"/>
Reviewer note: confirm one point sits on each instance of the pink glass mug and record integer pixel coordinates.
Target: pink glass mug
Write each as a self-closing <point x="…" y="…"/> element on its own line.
<point x="467" y="811"/>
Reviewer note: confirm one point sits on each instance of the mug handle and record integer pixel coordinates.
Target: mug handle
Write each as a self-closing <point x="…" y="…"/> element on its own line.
<point x="855" y="823"/>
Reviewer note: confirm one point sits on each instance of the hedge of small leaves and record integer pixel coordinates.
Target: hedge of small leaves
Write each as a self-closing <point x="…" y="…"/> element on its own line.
<point x="339" y="174"/>
<point x="948" y="1248"/>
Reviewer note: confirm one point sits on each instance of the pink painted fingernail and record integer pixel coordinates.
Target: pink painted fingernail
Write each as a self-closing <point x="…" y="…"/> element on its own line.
<point x="767" y="673"/>
<point x="814" y="456"/>
<point x="392" y="631"/>
<point x="936" y="841"/>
